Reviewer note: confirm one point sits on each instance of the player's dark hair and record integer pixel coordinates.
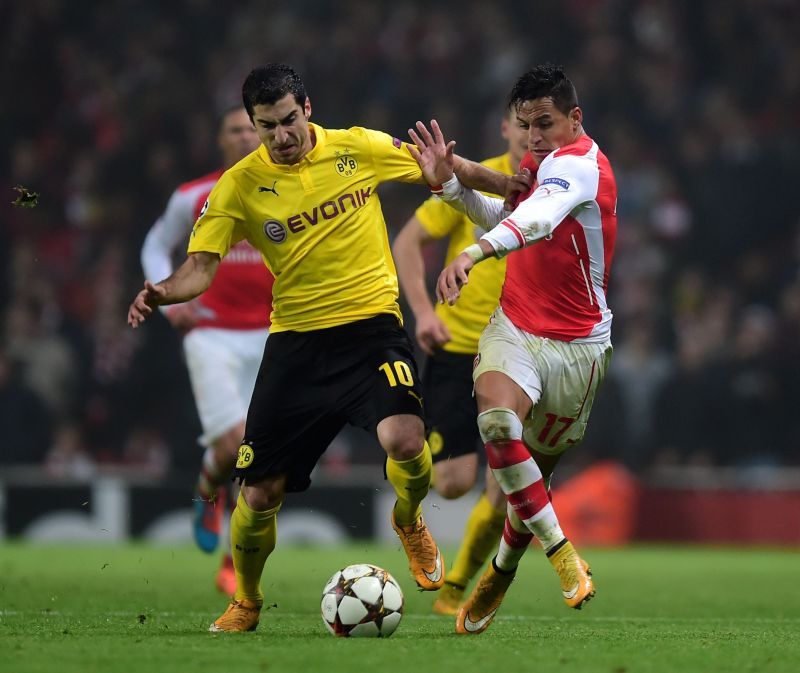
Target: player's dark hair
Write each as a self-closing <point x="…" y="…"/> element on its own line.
<point x="269" y="83"/>
<point x="545" y="81"/>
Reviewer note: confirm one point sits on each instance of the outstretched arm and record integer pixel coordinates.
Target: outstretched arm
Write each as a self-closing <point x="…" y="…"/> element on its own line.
<point x="435" y="158"/>
<point x="439" y="163"/>
<point x="169" y="231"/>
<point x="188" y="281"/>
<point x="565" y="184"/>
<point x="477" y="176"/>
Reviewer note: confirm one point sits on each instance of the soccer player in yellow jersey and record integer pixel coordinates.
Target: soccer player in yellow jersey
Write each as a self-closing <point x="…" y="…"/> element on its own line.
<point x="337" y="352"/>
<point x="449" y="336"/>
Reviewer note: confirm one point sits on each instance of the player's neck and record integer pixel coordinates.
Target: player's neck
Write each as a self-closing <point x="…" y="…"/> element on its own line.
<point x="312" y="139"/>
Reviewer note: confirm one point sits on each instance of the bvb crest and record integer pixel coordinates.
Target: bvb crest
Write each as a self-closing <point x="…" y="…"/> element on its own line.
<point x="345" y="164"/>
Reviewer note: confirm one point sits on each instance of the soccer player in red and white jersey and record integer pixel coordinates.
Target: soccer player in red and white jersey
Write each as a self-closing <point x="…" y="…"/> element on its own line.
<point x="547" y="347"/>
<point x="225" y="331"/>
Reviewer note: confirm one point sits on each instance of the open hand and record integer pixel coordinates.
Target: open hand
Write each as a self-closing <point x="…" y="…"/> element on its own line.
<point x="431" y="332"/>
<point x="144" y="303"/>
<point x="452" y="278"/>
<point x="434" y="156"/>
<point x="517" y="186"/>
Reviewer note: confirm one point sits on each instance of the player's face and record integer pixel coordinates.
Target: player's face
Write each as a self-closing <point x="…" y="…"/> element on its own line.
<point x="237" y="136"/>
<point x="517" y="136"/>
<point x="283" y="129"/>
<point x="547" y="127"/>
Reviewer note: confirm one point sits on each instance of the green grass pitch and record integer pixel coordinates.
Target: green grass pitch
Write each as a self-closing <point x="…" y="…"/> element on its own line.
<point x="140" y="609"/>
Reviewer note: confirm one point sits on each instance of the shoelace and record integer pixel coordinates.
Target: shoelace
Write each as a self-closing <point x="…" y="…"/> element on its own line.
<point x="487" y="598"/>
<point x="237" y="616"/>
<point x="418" y="538"/>
<point x="568" y="572"/>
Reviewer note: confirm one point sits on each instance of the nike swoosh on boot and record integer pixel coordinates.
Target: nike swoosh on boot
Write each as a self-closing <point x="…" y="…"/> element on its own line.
<point x="472" y="627"/>
<point x="436" y="575"/>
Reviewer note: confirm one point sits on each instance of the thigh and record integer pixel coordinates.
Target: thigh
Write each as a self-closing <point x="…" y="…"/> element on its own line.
<point x="292" y="416"/>
<point x="251" y="344"/>
<point x="572" y="373"/>
<point x="383" y="380"/>
<point x="450" y="406"/>
<point x="506" y="352"/>
<point x="213" y="366"/>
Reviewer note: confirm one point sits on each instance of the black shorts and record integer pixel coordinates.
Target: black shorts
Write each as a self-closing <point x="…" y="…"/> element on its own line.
<point x="310" y="384"/>
<point x="450" y="406"/>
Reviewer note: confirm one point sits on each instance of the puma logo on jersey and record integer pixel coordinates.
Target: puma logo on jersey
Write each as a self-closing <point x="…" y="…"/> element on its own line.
<point x="415" y="396"/>
<point x="269" y="189"/>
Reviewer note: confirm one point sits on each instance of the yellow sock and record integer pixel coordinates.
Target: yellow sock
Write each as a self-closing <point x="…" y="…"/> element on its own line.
<point x="252" y="540"/>
<point x="411" y="480"/>
<point x="481" y="536"/>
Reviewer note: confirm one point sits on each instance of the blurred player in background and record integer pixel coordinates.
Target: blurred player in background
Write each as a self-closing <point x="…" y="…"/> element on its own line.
<point x="449" y="336"/>
<point x="548" y="345"/>
<point x="225" y="331"/>
<point x="337" y="352"/>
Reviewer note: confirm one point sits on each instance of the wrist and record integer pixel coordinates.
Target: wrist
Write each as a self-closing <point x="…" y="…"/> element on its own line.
<point x="474" y="252"/>
<point x="448" y="186"/>
<point x="422" y="311"/>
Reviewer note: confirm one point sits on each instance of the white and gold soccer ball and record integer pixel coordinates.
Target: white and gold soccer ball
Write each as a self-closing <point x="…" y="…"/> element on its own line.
<point x="362" y="600"/>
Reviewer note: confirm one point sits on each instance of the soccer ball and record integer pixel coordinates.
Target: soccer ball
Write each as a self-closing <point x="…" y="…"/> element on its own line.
<point x="362" y="600"/>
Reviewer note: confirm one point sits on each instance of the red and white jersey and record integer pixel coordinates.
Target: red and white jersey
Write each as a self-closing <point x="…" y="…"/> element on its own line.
<point x="556" y="288"/>
<point x="240" y="296"/>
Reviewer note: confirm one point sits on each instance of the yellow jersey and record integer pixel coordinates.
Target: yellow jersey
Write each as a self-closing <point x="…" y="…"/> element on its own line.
<point x="470" y="314"/>
<point x="318" y="225"/>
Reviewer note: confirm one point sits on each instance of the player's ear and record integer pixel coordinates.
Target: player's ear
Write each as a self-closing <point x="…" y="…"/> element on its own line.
<point x="307" y="108"/>
<point x="576" y="117"/>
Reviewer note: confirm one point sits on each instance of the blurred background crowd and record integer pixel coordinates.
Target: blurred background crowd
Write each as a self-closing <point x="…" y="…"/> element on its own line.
<point x="108" y="106"/>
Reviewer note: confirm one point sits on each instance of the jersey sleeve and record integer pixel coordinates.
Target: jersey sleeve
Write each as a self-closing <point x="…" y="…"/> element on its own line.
<point x="485" y="211"/>
<point x="391" y="158"/>
<point x="165" y="235"/>
<point x="437" y="218"/>
<point x="220" y="224"/>
<point x="565" y="183"/>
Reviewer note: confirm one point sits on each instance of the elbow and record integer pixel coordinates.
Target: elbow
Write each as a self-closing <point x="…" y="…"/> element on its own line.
<point x="406" y="240"/>
<point x="537" y="230"/>
<point x="146" y="252"/>
<point x="398" y="246"/>
<point x="204" y="266"/>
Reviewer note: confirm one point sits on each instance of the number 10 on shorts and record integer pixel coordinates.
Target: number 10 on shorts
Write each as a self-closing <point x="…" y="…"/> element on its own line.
<point x="397" y="371"/>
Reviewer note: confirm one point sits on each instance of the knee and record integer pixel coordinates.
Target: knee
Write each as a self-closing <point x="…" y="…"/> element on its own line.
<point x="404" y="447"/>
<point x="452" y="483"/>
<point x="264" y="495"/>
<point x="226" y="447"/>
<point x="402" y="436"/>
<point x="451" y="487"/>
<point x="499" y="424"/>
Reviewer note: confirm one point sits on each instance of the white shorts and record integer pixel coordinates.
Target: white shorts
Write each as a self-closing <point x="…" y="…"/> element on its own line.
<point x="560" y="377"/>
<point x="223" y="365"/>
